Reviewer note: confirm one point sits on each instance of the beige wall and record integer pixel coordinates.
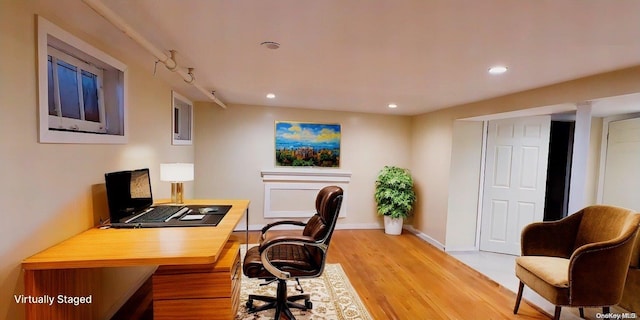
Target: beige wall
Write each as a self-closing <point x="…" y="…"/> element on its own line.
<point x="432" y="139"/>
<point x="49" y="191"/>
<point x="430" y="163"/>
<point x="464" y="187"/>
<point x="234" y="144"/>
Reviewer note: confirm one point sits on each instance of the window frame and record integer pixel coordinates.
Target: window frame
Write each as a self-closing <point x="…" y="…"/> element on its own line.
<point x="181" y="120"/>
<point x="65" y="123"/>
<point x="114" y="113"/>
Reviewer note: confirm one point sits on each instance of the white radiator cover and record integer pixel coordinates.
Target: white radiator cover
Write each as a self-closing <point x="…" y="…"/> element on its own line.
<point x="291" y="192"/>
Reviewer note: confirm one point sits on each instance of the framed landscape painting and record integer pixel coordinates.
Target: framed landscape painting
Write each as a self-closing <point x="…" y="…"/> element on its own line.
<point x="301" y="144"/>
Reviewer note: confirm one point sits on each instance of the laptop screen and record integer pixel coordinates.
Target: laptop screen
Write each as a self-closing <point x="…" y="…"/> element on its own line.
<point x="128" y="192"/>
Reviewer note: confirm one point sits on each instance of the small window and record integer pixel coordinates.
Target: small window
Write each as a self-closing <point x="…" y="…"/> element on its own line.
<point x="81" y="90"/>
<point x="182" y="120"/>
<point x="74" y="93"/>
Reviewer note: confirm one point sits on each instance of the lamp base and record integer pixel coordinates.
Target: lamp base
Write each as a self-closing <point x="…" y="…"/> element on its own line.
<point x="177" y="189"/>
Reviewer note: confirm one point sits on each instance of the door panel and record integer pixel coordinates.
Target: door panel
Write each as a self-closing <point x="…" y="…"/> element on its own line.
<point x="502" y="177"/>
<point x="499" y="213"/>
<point x="526" y="214"/>
<point x="530" y="157"/>
<point x="515" y="180"/>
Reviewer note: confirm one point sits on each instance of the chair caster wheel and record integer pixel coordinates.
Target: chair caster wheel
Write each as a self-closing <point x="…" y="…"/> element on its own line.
<point x="308" y="304"/>
<point x="249" y="305"/>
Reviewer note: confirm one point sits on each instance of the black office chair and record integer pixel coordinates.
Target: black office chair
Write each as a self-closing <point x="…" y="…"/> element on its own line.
<point x="290" y="257"/>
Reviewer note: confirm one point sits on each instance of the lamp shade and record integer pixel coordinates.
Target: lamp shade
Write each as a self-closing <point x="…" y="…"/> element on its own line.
<point x="176" y="172"/>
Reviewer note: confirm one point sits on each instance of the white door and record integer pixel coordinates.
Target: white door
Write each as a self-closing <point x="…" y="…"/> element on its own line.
<point x="622" y="164"/>
<point x="514" y="182"/>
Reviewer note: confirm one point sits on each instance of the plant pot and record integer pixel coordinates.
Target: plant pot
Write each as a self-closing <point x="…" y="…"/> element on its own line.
<point x="393" y="226"/>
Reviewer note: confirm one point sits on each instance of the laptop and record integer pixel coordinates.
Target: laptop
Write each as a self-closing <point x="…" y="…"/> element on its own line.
<point x="131" y="205"/>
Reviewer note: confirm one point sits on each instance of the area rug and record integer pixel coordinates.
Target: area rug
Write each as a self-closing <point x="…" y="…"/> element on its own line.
<point x="332" y="295"/>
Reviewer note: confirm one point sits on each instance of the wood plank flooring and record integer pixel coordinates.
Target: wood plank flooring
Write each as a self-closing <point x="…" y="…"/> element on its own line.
<point x="403" y="277"/>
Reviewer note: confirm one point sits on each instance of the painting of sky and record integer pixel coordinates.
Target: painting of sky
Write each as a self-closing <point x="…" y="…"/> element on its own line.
<point x="307" y="144"/>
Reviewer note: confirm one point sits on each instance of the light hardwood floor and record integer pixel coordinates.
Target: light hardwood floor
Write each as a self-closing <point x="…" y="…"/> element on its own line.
<point x="397" y="277"/>
<point x="403" y="277"/>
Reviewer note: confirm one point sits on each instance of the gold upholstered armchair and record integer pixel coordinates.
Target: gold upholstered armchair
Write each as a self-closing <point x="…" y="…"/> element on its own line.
<point x="579" y="261"/>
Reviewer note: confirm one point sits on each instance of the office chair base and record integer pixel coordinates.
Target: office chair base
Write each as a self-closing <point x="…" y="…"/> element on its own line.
<point x="282" y="303"/>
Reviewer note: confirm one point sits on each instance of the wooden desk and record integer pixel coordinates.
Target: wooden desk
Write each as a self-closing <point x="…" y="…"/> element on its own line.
<point x="69" y="268"/>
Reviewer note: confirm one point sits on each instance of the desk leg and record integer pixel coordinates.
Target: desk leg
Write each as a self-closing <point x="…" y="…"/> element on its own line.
<point x="246" y="233"/>
<point x="67" y="287"/>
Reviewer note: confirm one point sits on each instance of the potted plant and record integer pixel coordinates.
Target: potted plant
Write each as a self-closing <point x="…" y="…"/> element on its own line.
<point x="394" y="196"/>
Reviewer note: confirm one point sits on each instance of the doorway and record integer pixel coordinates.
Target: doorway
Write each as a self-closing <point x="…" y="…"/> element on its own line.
<point x="527" y="178"/>
<point x="556" y="203"/>
<point x="515" y="177"/>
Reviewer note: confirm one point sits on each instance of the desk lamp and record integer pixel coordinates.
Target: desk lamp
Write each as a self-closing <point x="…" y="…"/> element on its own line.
<point x="176" y="173"/>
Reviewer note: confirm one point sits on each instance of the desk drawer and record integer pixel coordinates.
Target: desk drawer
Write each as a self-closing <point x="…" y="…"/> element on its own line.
<point x="194" y="285"/>
<point x="219" y="282"/>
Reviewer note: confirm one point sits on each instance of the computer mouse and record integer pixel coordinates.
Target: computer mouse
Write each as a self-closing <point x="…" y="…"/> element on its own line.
<point x="207" y="210"/>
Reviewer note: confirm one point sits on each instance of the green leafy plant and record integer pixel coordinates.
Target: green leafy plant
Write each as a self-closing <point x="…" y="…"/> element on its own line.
<point x="394" y="192"/>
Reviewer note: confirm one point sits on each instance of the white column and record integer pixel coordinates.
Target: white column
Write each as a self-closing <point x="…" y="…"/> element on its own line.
<point x="577" y="186"/>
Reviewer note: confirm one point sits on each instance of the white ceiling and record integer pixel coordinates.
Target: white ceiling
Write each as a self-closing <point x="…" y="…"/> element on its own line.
<point x="360" y="56"/>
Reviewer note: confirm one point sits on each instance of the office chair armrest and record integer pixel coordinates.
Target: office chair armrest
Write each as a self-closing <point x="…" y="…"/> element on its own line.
<point x="277" y="223"/>
<point x="265" y="229"/>
<point x="299" y="240"/>
<point x="265" y="246"/>
<point x="554" y="239"/>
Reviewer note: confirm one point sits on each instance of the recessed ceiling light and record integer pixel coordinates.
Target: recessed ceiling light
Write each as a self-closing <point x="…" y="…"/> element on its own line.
<point x="497" y="69"/>
<point x="393" y="105"/>
<point x="271" y="96"/>
<point x="270" y="45"/>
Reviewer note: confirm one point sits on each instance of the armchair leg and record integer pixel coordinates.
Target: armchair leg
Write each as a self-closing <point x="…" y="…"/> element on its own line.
<point x="556" y="315"/>
<point x="518" y="298"/>
<point x="581" y="309"/>
<point x="606" y="310"/>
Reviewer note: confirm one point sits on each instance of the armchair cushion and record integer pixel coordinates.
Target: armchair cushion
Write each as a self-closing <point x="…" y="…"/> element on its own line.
<point x="548" y="275"/>
<point x="552" y="270"/>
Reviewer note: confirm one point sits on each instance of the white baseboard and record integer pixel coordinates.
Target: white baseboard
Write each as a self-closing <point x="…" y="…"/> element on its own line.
<point x="339" y="226"/>
<point x="354" y="226"/>
<point x="425" y="237"/>
<point x="461" y="249"/>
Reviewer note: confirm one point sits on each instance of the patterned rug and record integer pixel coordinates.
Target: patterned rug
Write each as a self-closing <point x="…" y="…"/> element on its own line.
<point x="332" y="296"/>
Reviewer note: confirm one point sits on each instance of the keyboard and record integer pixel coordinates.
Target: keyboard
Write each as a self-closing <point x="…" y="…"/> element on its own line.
<point x="160" y="214"/>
